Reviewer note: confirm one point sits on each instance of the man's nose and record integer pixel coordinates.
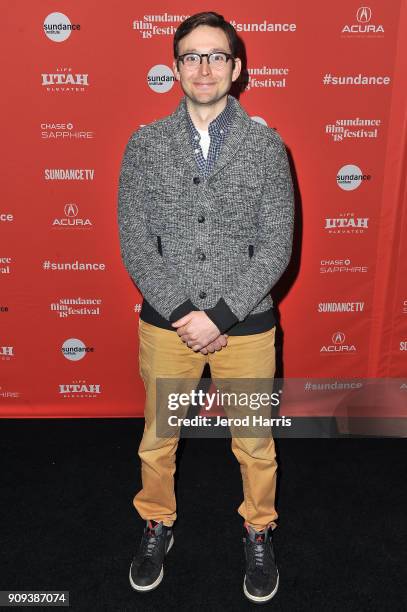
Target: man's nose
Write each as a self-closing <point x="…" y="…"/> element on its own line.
<point x="204" y="66"/>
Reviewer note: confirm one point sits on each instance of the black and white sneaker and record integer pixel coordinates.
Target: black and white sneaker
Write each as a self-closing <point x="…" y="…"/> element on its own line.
<point x="146" y="570"/>
<point x="261" y="580"/>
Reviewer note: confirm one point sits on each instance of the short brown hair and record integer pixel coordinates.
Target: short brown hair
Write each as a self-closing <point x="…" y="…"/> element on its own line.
<point x="214" y="20"/>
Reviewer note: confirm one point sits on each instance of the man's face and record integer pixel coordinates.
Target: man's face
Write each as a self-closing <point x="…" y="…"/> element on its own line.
<point x="205" y="84"/>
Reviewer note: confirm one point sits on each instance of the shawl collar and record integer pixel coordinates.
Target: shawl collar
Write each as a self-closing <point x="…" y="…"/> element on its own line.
<point x="179" y="132"/>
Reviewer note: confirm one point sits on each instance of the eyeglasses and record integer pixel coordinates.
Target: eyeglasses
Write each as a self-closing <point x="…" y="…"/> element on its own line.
<point x="217" y="59"/>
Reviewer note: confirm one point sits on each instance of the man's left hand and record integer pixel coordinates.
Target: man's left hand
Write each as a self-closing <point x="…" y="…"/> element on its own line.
<point x="196" y="329"/>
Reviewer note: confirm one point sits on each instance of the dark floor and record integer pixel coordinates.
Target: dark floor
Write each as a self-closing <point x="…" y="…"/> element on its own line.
<point x="68" y="523"/>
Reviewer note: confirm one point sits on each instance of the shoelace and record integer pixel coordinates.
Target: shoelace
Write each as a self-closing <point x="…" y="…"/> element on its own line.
<point x="151" y="542"/>
<point x="259" y="549"/>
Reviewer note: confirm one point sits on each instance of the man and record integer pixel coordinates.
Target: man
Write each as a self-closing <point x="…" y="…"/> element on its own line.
<point x="205" y="219"/>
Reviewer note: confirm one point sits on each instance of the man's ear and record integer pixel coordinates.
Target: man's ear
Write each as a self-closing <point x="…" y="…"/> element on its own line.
<point x="175" y="70"/>
<point x="237" y="69"/>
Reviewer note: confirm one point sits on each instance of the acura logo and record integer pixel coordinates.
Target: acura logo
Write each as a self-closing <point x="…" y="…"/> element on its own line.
<point x="70" y="210"/>
<point x="364" y="14"/>
<point x="338" y="338"/>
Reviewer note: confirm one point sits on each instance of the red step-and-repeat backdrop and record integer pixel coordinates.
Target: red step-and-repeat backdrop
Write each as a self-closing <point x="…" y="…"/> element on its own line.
<point x="81" y="77"/>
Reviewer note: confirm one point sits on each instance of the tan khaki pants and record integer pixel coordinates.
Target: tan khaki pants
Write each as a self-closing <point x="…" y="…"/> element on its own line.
<point x="164" y="355"/>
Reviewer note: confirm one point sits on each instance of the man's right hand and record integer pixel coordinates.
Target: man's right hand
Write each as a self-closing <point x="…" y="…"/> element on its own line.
<point x="215" y="345"/>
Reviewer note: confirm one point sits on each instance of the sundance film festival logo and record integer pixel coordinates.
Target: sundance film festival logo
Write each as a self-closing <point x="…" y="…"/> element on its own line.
<point x="167" y="24"/>
<point x="58" y="28"/>
<point x="71" y="219"/>
<point x="338" y="345"/>
<point x="363" y="27"/>
<point x="63" y="131"/>
<point x="403" y="345"/>
<point x="350" y="177"/>
<point x="349" y="129"/>
<point x="6" y="353"/>
<point x="346" y="223"/>
<point x="160" y="78"/>
<point x="79" y="389"/>
<point x="64" y="80"/>
<point x="5" y="265"/>
<point x="66" y="307"/>
<point x="74" y="349"/>
<point x="267" y="77"/>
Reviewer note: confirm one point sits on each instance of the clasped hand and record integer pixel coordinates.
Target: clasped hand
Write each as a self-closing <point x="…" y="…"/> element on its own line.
<point x="200" y="333"/>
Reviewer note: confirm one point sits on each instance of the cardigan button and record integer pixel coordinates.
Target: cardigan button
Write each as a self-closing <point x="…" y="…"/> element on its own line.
<point x="201" y="219"/>
<point x="202" y="295"/>
<point x="196" y="180"/>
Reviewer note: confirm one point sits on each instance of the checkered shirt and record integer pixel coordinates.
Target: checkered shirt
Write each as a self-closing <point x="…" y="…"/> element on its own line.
<point x="218" y="129"/>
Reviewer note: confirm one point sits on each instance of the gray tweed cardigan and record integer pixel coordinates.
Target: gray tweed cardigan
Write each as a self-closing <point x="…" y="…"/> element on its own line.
<point x="218" y="243"/>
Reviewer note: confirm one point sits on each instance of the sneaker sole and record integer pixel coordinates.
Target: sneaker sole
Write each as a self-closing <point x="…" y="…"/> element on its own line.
<point x="265" y="598"/>
<point x="153" y="585"/>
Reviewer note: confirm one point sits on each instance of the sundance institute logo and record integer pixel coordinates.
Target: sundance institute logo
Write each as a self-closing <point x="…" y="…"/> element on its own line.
<point x="74" y="349"/>
<point x="160" y="78"/>
<point x="57" y="27"/>
<point x="350" y="177"/>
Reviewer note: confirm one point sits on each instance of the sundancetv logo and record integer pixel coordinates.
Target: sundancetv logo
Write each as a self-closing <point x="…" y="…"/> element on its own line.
<point x="340" y="307"/>
<point x="69" y="174"/>
<point x="160" y="78"/>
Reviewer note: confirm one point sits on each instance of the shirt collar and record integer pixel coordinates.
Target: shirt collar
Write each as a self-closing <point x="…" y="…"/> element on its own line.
<point x="219" y="126"/>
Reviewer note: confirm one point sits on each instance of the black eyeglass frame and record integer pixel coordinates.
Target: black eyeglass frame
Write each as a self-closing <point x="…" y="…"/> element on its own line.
<point x="229" y="56"/>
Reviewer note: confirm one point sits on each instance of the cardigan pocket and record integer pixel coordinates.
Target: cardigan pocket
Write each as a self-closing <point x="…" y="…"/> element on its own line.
<point x="159" y="246"/>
